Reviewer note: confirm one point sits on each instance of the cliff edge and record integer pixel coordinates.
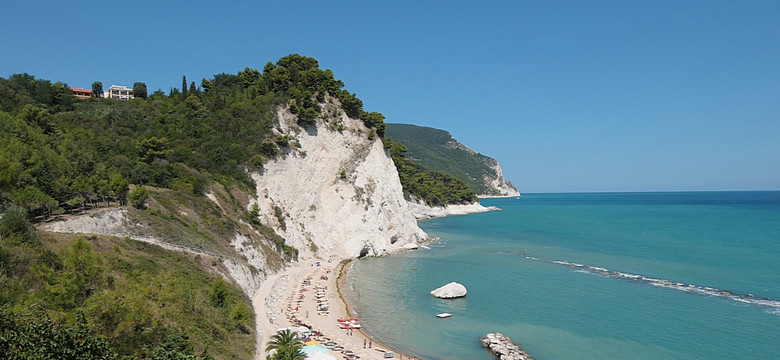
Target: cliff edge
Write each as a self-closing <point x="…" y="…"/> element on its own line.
<point x="336" y="191"/>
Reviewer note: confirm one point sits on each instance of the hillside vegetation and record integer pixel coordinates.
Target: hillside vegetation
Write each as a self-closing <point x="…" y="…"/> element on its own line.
<point x="179" y="165"/>
<point x="156" y="156"/>
<point x="438" y="151"/>
<point x="57" y="153"/>
<point x="435" y="188"/>
<point x="96" y="297"/>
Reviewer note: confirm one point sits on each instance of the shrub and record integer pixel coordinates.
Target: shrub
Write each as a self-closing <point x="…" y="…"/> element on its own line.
<point x="138" y="197"/>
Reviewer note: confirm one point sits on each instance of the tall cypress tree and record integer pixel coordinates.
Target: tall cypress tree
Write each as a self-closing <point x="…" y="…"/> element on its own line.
<point x="184" y="86"/>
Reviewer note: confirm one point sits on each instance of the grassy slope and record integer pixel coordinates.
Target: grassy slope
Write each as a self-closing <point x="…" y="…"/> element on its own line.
<point x="132" y="293"/>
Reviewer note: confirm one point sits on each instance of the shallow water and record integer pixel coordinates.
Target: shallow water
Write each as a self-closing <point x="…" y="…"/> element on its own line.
<point x="597" y="276"/>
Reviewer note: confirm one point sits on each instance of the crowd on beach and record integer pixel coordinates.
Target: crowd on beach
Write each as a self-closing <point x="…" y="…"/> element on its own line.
<point x="309" y="311"/>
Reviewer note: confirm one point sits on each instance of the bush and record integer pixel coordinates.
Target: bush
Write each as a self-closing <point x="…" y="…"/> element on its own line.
<point x="219" y="293"/>
<point x="15" y="228"/>
<point x="138" y="197"/>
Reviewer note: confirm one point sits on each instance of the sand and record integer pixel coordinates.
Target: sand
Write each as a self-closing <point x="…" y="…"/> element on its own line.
<point x="289" y="299"/>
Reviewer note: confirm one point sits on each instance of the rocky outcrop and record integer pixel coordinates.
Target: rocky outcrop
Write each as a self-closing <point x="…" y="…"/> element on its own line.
<point x="422" y="211"/>
<point x="336" y="191"/>
<point x="496" y="186"/>
<point x="504" y="348"/>
<point x="450" y="291"/>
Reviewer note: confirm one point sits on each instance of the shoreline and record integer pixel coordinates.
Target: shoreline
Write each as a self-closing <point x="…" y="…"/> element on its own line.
<point x="425" y="212"/>
<point x="341" y="280"/>
<point x="298" y="292"/>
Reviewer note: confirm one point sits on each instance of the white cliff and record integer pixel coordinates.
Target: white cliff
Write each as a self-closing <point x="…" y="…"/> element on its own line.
<point x="497" y="185"/>
<point x="335" y="192"/>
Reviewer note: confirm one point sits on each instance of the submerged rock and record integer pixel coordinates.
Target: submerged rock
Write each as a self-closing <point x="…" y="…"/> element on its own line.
<point x="450" y="291"/>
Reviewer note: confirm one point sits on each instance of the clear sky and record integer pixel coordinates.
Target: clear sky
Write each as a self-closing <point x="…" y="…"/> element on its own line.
<point x="569" y="96"/>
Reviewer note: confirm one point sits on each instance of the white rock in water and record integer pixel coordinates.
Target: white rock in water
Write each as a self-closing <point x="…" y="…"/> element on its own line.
<point x="449" y="291"/>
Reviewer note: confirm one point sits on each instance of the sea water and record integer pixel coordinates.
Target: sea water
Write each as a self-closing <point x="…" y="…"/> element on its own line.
<point x="587" y="276"/>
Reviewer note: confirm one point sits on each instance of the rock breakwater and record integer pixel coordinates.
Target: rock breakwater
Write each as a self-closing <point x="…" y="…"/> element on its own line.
<point x="503" y="347"/>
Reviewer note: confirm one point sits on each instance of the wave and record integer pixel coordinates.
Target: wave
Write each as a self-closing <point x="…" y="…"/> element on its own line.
<point x="771" y="304"/>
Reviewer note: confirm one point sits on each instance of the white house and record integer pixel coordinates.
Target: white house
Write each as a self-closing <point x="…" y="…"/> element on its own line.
<point x="118" y="92"/>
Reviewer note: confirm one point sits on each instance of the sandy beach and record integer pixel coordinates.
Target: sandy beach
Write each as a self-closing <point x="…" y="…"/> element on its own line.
<point x="300" y="295"/>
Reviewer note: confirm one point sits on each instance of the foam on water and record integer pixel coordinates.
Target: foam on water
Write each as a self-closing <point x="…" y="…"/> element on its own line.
<point x="772" y="304"/>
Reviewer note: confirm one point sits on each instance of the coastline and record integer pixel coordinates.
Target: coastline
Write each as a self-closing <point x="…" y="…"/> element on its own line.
<point x="341" y="281"/>
<point x="278" y="290"/>
<point x="292" y="291"/>
<point x="424" y="212"/>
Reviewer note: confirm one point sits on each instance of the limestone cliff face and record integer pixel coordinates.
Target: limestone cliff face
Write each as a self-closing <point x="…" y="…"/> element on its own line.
<point x="497" y="185"/>
<point x="335" y="192"/>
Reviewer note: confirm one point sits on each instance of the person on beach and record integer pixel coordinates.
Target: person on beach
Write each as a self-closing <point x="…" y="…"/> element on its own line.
<point x="369" y="343"/>
<point x="364" y="343"/>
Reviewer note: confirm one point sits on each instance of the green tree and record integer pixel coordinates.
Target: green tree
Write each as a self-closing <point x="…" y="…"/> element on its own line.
<point x="138" y="197"/>
<point x="175" y="346"/>
<point x="139" y="90"/>
<point x="153" y="148"/>
<point x="15" y="228"/>
<point x="254" y="214"/>
<point x="219" y="293"/>
<point x="97" y="89"/>
<point x="118" y="187"/>
<point x="279" y="79"/>
<point x="184" y="86"/>
<point x="240" y="314"/>
<point x="9" y="173"/>
<point x="39" y="337"/>
<point x="32" y="199"/>
<point x="206" y="85"/>
<point x="285" y="346"/>
<point x="83" y="273"/>
<point x="249" y="77"/>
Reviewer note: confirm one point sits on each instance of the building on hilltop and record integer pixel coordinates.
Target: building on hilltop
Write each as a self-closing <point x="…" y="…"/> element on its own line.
<point x="82" y="94"/>
<point x="118" y="92"/>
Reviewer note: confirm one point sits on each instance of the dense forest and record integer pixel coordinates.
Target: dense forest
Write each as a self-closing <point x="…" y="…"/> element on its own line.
<point x="436" y="188"/>
<point x="437" y="150"/>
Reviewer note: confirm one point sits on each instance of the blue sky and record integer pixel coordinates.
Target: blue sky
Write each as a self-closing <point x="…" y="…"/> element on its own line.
<point x="569" y="96"/>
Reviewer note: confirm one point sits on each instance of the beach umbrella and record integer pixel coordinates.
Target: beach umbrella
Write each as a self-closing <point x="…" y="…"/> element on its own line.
<point x="320" y="356"/>
<point x="311" y="349"/>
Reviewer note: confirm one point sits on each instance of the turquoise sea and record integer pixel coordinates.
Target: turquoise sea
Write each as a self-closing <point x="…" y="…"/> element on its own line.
<point x="588" y="276"/>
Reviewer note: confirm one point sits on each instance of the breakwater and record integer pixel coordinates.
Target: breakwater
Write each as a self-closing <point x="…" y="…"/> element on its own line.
<point x="503" y="347"/>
